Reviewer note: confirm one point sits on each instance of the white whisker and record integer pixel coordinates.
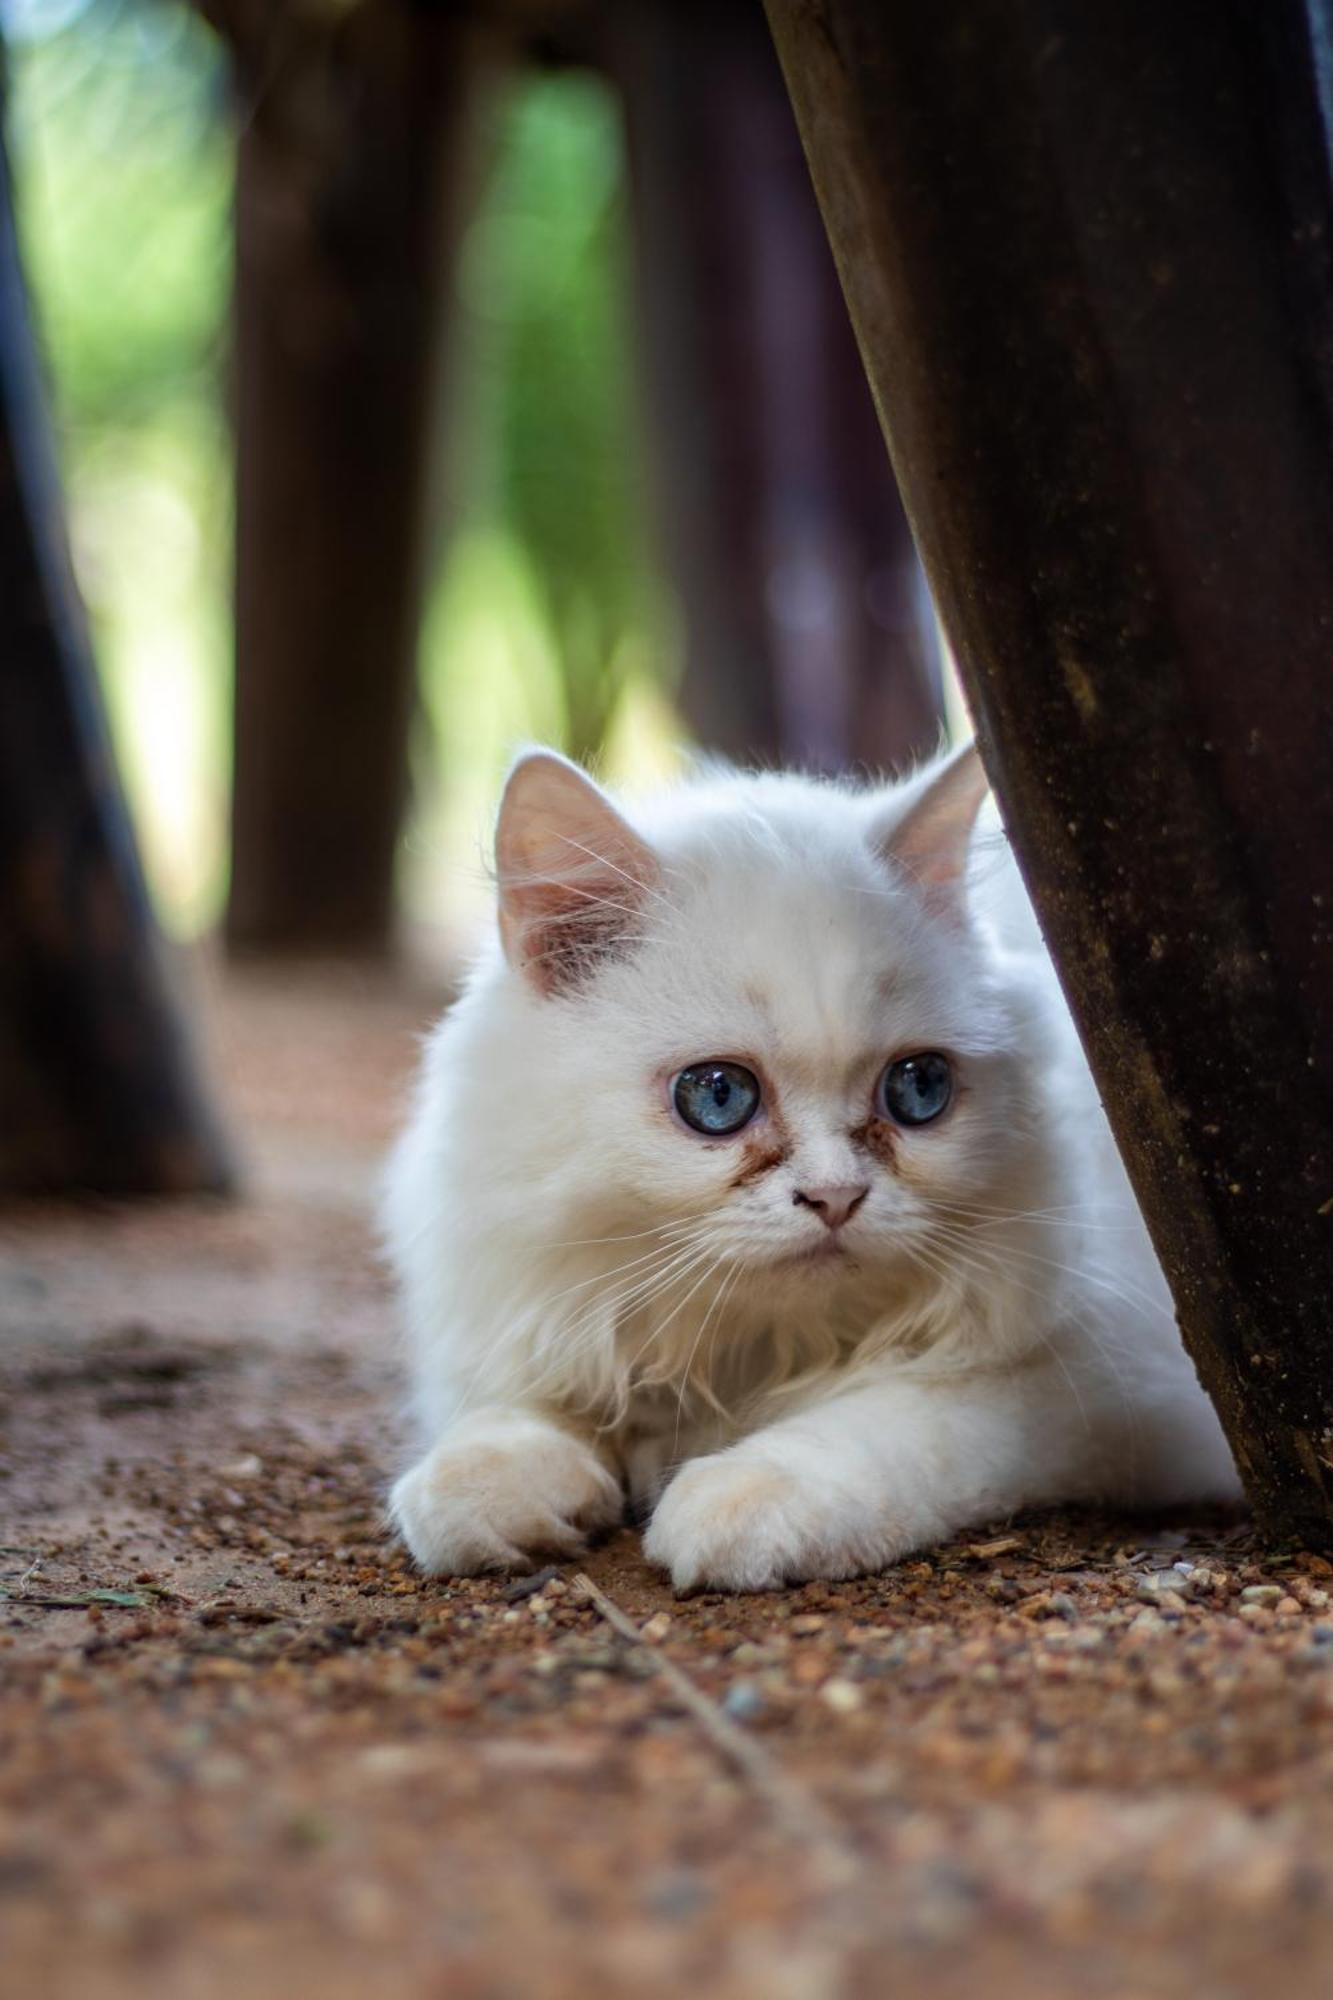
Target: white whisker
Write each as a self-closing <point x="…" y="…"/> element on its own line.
<point x="643" y="888"/>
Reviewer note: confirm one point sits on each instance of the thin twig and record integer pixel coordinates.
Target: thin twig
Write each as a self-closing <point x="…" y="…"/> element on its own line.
<point x="797" y="1810"/>
<point x="45" y="1600"/>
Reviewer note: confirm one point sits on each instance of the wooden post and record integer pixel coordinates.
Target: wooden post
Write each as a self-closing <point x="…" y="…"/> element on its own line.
<point x="346" y="173"/>
<point x="98" y="1091"/>
<point x="1089" y="254"/>
<point x="808" y="633"/>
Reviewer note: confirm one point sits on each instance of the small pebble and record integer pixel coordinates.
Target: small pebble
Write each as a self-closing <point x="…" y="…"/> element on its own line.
<point x="843" y="1697"/>
<point x="809" y="1669"/>
<point x="529" y="1586"/>
<point x="1165" y="1587"/>
<point x="678" y="1896"/>
<point x="1167" y="1601"/>
<point x="743" y="1702"/>
<point x="389" y="1760"/>
<point x="221" y="1770"/>
<point x="248" y="1467"/>
<point x="1267" y="1594"/>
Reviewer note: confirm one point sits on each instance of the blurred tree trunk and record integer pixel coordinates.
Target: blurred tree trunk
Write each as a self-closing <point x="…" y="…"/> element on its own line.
<point x="1089" y="253"/>
<point x="809" y="636"/>
<point x="349" y="159"/>
<point x="98" y="1091"/>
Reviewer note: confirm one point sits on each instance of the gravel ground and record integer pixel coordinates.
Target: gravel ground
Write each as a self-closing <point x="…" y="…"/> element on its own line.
<point x="244" y="1750"/>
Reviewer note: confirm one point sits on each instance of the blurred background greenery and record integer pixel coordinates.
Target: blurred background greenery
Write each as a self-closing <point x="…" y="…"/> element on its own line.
<point x="547" y="616"/>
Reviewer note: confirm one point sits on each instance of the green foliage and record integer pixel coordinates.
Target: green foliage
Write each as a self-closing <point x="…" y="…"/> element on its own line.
<point x="545" y="618"/>
<point x="124" y="172"/>
<point x="549" y="621"/>
<point x="547" y="269"/>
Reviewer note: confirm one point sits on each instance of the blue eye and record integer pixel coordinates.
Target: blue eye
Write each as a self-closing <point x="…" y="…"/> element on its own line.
<point x="716" y="1097"/>
<point x="917" y="1088"/>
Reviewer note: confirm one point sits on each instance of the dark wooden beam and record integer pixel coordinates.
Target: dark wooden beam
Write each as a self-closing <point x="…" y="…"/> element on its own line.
<point x="346" y="196"/>
<point x="808" y="633"/>
<point x="98" y="1089"/>
<point x="1089" y="254"/>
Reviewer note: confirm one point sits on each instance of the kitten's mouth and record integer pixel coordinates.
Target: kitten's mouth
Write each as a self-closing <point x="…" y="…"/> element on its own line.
<point x="828" y="1251"/>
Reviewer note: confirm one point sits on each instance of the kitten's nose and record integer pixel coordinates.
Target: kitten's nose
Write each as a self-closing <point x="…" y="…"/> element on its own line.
<point x="834" y="1202"/>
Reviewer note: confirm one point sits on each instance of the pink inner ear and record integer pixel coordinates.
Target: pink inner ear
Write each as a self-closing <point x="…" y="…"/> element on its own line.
<point x="931" y="841"/>
<point x="573" y="874"/>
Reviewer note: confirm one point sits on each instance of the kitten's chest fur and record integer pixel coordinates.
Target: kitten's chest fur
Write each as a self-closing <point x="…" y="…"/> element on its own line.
<point x="708" y="1377"/>
<point x="656" y="1436"/>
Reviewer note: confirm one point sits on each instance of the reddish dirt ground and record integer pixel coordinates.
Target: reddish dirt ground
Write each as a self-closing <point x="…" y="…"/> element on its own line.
<point x="1071" y="1755"/>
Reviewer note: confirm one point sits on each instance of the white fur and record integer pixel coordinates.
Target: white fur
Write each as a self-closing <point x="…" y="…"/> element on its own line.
<point x="591" y="1303"/>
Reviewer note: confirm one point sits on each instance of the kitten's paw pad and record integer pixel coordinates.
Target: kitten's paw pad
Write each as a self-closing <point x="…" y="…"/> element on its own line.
<point x="731" y="1523"/>
<point x="495" y="1500"/>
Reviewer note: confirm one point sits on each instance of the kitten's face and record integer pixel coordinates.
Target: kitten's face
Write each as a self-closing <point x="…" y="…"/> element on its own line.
<point x="784" y="1051"/>
<point x="856" y="1093"/>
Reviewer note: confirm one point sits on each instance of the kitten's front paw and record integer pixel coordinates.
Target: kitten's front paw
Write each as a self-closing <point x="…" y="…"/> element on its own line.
<point x="497" y="1492"/>
<point x="744" y="1522"/>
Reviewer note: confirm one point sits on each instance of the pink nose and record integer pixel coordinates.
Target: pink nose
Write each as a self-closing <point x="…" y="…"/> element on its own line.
<point x="832" y="1204"/>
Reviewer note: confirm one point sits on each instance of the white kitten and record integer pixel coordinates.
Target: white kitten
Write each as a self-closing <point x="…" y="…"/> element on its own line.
<point x="758" y="1175"/>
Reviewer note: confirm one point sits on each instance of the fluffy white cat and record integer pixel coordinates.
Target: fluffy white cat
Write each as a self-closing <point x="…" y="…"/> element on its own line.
<point x="757" y="1180"/>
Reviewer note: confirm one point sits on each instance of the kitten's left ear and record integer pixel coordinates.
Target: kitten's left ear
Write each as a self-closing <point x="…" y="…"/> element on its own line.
<point x="930" y="840"/>
<point x="573" y="874"/>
